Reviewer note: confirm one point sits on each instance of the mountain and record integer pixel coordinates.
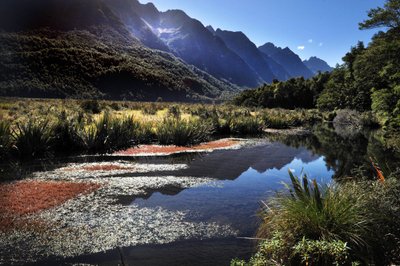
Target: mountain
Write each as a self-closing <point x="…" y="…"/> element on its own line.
<point x="122" y="49"/>
<point x="316" y="65"/>
<point x="241" y="45"/>
<point x="82" y="49"/>
<point x="288" y="59"/>
<point x="188" y="39"/>
<point x="211" y="29"/>
<point x="277" y="69"/>
<point x="131" y="14"/>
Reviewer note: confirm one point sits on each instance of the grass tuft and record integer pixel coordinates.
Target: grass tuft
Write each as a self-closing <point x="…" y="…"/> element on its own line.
<point x="183" y="133"/>
<point x="32" y="140"/>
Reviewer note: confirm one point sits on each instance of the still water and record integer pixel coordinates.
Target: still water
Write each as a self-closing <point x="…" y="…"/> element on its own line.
<point x="217" y="213"/>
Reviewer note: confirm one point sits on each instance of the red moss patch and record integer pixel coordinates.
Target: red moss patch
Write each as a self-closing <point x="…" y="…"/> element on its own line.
<point x="156" y="149"/>
<point x="26" y="197"/>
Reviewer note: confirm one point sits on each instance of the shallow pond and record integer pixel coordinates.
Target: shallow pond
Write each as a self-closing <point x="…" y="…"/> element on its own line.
<point x="182" y="209"/>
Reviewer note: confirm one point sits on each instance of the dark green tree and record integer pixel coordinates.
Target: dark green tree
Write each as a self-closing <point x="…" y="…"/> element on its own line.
<point x="387" y="16"/>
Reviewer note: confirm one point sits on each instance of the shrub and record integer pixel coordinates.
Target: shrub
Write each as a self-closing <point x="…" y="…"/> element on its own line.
<point x="182" y="133"/>
<point x="32" y="140"/>
<point x="305" y="252"/>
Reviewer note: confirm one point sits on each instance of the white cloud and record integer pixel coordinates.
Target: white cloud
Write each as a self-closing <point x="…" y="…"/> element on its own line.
<point x="321" y="43"/>
<point x="301" y="47"/>
<point x="310" y="40"/>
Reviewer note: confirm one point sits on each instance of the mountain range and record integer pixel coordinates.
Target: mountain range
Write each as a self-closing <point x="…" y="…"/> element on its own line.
<point x="122" y="49"/>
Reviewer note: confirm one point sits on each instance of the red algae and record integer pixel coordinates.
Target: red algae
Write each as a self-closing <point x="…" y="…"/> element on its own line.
<point x="28" y="197"/>
<point x="156" y="149"/>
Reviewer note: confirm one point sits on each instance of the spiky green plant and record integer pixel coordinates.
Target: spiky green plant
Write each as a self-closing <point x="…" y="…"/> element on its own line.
<point x="5" y="139"/>
<point x="182" y="133"/>
<point x="109" y="134"/>
<point x="246" y="125"/>
<point x="66" y="134"/>
<point x="317" y="212"/>
<point x="32" y="140"/>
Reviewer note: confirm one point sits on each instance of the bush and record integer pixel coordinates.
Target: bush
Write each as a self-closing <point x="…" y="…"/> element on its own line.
<point x="305" y="252"/>
<point x="183" y="133"/>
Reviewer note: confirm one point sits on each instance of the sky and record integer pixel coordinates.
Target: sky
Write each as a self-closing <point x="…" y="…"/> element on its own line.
<point x="322" y="28"/>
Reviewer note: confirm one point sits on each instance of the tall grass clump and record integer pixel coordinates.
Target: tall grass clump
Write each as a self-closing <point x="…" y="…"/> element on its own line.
<point x="246" y="125"/>
<point x="383" y="203"/>
<point x="182" y="132"/>
<point x="144" y="132"/>
<point x="32" y="140"/>
<point x="342" y="224"/>
<point x="5" y="139"/>
<point x="150" y="109"/>
<point x="66" y="134"/>
<point x="91" y="106"/>
<point x="109" y="134"/>
<point x="284" y="119"/>
<point x="300" y="227"/>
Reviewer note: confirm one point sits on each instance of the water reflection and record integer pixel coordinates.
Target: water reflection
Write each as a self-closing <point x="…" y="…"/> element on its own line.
<point x="242" y="177"/>
<point x="235" y="201"/>
<point x="346" y="153"/>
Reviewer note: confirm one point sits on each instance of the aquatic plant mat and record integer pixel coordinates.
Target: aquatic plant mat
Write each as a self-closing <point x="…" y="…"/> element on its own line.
<point x="76" y="209"/>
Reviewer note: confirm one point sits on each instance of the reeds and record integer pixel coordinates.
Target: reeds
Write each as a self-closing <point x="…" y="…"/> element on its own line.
<point x="109" y="134"/>
<point x="313" y="214"/>
<point x="340" y="224"/>
<point x="32" y="140"/>
<point x="246" y="125"/>
<point x="182" y="132"/>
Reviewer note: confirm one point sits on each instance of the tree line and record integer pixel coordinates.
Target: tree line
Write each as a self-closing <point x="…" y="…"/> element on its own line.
<point x="368" y="79"/>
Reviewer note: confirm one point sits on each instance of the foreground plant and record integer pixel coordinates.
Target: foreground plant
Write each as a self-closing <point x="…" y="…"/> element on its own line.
<point x="340" y="224"/>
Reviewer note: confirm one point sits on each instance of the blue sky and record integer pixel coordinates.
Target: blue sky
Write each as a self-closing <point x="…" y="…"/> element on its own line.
<point x="324" y="28"/>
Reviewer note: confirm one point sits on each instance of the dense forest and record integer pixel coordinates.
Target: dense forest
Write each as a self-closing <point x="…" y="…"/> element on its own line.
<point x="80" y="49"/>
<point x="367" y="80"/>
